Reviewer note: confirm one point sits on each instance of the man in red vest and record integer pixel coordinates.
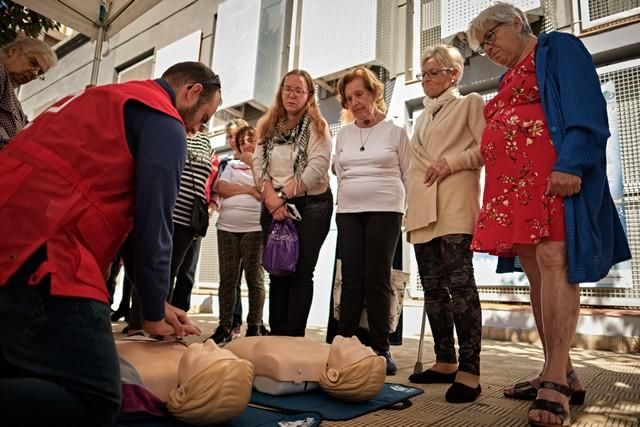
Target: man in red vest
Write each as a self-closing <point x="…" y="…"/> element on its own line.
<point x="97" y="166"/>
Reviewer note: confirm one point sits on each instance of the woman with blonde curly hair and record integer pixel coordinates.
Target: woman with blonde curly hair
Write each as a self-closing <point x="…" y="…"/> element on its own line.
<point x="290" y="165"/>
<point x="372" y="165"/>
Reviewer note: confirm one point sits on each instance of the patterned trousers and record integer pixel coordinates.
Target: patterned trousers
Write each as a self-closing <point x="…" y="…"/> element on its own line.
<point x="234" y="250"/>
<point x="451" y="298"/>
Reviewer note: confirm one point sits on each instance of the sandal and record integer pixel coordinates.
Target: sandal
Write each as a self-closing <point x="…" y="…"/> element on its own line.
<point x="550" y="406"/>
<point x="525" y="391"/>
<point x="522" y="391"/>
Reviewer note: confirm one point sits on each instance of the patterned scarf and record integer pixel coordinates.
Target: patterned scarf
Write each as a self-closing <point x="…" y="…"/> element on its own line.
<point x="299" y="137"/>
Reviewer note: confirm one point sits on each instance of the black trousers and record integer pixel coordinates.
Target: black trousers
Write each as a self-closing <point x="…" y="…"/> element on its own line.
<point x="186" y="276"/>
<point x="367" y="242"/>
<point x="451" y="298"/>
<point x="290" y="296"/>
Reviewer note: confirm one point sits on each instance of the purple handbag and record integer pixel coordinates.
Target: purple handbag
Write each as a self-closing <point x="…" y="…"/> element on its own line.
<point x="280" y="254"/>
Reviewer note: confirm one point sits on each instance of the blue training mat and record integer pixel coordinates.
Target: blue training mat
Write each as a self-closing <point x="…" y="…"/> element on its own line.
<point x="251" y="417"/>
<point x="336" y="410"/>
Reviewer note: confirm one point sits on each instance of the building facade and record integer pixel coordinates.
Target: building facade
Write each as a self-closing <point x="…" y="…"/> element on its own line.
<point x="252" y="43"/>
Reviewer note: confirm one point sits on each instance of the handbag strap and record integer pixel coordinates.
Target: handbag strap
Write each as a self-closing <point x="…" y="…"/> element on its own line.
<point x="193" y="180"/>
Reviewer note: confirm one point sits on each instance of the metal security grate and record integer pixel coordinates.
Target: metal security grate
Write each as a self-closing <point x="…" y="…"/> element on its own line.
<point x="548" y="15"/>
<point x="456" y="14"/>
<point x="626" y="80"/>
<point x="603" y="8"/>
<point x="429" y="24"/>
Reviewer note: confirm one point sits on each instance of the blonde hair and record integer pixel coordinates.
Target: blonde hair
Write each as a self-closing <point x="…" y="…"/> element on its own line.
<point x="371" y="83"/>
<point x="267" y="124"/>
<point x="447" y="55"/>
<point x="216" y="395"/>
<point x="500" y="12"/>
<point x="358" y="382"/>
<point x="31" y="46"/>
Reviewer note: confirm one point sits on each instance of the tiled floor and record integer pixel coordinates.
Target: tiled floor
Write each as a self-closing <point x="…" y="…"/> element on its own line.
<point x="612" y="382"/>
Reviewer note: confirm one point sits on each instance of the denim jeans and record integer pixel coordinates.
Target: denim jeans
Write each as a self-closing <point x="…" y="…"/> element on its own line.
<point x="290" y="296"/>
<point x="58" y="362"/>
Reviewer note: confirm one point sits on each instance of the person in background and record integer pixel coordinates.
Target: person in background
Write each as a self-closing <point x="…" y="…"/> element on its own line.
<point x="546" y="193"/>
<point x="443" y="204"/>
<point x="64" y="214"/>
<point x="231" y="128"/>
<point x="201" y="164"/>
<point x="21" y="61"/>
<point x="291" y="166"/>
<point x="198" y="168"/>
<point x="372" y="166"/>
<point x="239" y="239"/>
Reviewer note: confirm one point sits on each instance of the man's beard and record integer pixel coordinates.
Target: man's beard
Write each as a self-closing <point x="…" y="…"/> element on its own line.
<point x="188" y="113"/>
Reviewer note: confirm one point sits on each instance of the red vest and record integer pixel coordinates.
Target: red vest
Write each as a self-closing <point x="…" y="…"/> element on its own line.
<point x="68" y="181"/>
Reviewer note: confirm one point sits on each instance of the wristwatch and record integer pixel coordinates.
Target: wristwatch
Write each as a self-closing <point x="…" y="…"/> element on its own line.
<point x="282" y="195"/>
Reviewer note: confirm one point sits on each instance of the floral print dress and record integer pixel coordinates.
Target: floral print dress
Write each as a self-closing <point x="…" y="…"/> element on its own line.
<point x="519" y="157"/>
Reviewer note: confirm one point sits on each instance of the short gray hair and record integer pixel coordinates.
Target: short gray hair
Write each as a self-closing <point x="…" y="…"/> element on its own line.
<point x="500" y="12"/>
<point x="31" y="46"/>
<point x="447" y="55"/>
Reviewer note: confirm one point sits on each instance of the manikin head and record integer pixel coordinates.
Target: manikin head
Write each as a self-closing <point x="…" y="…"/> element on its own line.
<point x="354" y="372"/>
<point x="214" y="386"/>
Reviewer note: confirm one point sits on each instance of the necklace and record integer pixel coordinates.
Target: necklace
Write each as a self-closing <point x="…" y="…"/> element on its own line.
<point x="364" y="143"/>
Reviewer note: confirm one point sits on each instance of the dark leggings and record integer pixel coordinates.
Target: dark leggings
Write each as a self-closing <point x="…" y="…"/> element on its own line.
<point x="451" y="298"/>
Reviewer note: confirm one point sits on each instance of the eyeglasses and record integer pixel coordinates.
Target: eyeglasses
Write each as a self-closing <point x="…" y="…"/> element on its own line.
<point x="489" y="38"/>
<point x="288" y="90"/>
<point x="431" y="74"/>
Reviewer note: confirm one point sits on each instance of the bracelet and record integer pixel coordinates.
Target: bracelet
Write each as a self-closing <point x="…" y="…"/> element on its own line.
<point x="282" y="195"/>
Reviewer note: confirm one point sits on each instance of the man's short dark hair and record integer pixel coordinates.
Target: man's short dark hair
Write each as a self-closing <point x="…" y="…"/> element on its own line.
<point x="184" y="73"/>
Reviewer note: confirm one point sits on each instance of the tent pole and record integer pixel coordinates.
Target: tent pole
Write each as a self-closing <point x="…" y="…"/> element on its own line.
<point x="97" y="56"/>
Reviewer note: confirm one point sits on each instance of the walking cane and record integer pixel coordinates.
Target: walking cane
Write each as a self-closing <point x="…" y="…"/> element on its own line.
<point x="418" y="368"/>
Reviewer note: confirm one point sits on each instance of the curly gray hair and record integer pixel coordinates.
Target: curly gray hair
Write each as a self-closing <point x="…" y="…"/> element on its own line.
<point x="500" y="12"/>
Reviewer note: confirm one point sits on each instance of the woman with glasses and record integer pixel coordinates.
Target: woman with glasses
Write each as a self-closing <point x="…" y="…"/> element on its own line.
<point x="21" y="61"/>
<point x="239" y="239"/>
<point x="442" y="209"/>
<point x="291" y="165"/>
<point x="372" y="165"/>
<point x="546" y="193"/>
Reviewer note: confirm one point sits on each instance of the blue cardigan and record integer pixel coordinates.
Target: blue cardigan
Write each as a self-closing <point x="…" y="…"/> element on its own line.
<point x="576" y="114"/>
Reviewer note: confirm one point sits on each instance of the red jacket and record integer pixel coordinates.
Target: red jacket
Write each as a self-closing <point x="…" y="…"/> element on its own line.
<point x="68" y="181"/>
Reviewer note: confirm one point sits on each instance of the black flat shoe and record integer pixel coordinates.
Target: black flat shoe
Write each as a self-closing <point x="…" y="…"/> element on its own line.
<point x="432" y="377"/>
<point x="460" y="393"/>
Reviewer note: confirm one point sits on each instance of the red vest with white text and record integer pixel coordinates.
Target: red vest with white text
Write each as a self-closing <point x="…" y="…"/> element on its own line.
<point x="67" y="181"/>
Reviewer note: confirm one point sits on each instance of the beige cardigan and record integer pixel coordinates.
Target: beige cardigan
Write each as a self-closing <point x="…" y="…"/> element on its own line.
<point x="451" y="206"/>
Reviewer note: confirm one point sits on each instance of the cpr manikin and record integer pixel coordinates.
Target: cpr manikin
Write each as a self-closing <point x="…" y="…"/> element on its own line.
<point x="201" y="384"/>
<point x="346" y="369"/>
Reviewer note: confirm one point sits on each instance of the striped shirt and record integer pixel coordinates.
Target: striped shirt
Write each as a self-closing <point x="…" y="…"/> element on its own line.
<point x="196" y="171"/>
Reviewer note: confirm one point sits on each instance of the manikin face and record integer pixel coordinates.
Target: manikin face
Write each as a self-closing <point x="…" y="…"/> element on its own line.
<point x="198" y="357"/>
<point x="346" y="351"/>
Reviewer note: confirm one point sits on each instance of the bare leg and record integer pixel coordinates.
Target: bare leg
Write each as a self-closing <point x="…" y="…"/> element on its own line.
<point x="560" y="309"/>
<point x="527" y="254"/>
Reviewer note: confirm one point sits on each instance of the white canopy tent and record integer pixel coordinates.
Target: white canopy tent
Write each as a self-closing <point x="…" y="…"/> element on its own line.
<point x="97" y="19"/>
